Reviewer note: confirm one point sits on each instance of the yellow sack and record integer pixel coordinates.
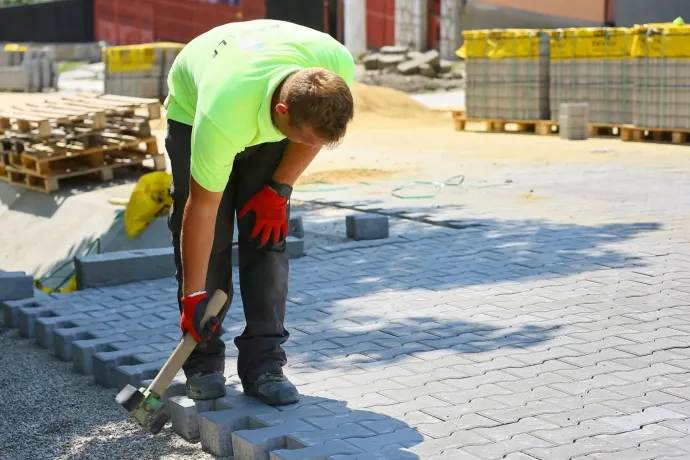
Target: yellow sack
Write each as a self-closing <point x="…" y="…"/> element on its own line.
<point x="71" y="286"/>
<point x="150" y="199"/>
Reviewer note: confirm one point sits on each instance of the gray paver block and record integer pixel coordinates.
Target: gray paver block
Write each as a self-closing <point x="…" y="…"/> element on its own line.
<point x="105" y="362"/>
<point x="46" y="326"/>
<point x="296" y="227"/>
<point x="27" y="318"/>
<point x="216" y="427"/>
<point x="10" y="311"/>
<point x="136" y="373"/>
<point x="270" y="419"/>
<point x="122" y="267"/>
<point x="366" y="226"/>
<point x="83" y="350"/>
<point x="63" y="337"/>
<point x="295" y="247"/>
<point x="394" y="453"/>
<point x="184" y="415"/>
<point x="335" y="420"/>
<point x="318" y="452"/>
<point x="257" y="444"/>
<point x="342" y="432"/>
<point x="16" y="286"/>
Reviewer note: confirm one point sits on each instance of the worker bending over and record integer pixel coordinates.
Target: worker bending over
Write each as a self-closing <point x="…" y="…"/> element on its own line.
<point x="250" y="105"/>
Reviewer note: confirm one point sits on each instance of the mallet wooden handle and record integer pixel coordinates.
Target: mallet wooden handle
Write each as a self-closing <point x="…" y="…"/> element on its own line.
<point x="185" y="347"/>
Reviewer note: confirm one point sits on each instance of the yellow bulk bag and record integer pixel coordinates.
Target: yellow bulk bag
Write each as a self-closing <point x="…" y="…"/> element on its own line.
<point x="150" y="199"/>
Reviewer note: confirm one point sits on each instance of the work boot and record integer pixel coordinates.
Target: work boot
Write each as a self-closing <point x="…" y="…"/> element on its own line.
<point x="272" y="388"/>
<point x="206" y="385"/>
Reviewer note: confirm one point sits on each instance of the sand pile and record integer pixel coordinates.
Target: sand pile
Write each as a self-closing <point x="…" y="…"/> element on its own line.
<point x="372" y="104"/>
<point x="387" y="102"/>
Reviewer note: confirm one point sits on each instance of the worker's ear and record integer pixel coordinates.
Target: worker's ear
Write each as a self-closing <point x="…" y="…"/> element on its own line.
<point x="282" y="108"/>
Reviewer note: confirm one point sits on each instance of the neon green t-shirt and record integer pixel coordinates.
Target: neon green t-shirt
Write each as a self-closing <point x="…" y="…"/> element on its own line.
<point x="222" y="83"/>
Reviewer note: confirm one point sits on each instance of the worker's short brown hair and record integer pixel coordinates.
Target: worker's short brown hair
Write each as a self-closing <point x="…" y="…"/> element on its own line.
<point x="320" y="99"/>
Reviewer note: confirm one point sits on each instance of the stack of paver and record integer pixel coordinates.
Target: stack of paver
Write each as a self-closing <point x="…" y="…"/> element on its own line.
<point x="139" y="70"/>
<point x="80" y="135"/>
<point x="593" y="66"/>
<point x="662" y="77"/>
<point x="507" y="74"/>
<point x="26" y="68"/>
<point x="573" y="121"/>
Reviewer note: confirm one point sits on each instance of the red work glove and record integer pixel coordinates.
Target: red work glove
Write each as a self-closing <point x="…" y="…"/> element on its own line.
<point x="193" y="311"/>
<point x="271" y="215"/>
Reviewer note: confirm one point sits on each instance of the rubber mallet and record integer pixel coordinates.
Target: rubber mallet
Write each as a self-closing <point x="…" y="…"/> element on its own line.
<point x="145" y="405"/>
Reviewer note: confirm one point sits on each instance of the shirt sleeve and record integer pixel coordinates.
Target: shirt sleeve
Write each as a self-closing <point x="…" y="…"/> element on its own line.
<point x="212" y="154"/>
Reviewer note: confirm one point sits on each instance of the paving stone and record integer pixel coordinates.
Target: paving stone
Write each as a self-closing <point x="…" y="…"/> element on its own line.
<point x="394" y="453"/>
<point x="311" y="414"/>
<point x="257" y="444"/>
<point x="122" y="267"/>
<point x="16" y="286"/>
<point x="503" y="432"/>
<point x="184" y="415"/>
<point x="342" y="432"/>
<point x="651" y="450"/>
<point x="498" y="450"/>
<point x="105" y="362"/>
<point x="630" y="439"/>
<point x="455" y="441"/>
<point x="637" y="420"/>
<point x="134" y="374"/>
<point x="45" y="327"/>
<point x="216" y="427"/>
<point x="580" y="447"/>
<point x="366" y="227"/>
<point x="440" y="430"/>
<point x="28" y="315"/>
<point x="335" y="420"/>
<point x="83" y="350"/>
<point x="318" y="452"/>
<point x="404" y="437"/>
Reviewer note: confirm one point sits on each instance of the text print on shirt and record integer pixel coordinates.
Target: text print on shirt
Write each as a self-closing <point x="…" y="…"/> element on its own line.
<point x="247" y="43"/>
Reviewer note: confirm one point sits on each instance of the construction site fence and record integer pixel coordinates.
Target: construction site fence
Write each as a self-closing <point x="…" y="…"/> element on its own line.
<point x="637" y="75"/>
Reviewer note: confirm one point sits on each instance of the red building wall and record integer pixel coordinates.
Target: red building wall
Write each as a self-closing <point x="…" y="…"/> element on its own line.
<point x="125" y="22"/>
<point x="380" y="23"/>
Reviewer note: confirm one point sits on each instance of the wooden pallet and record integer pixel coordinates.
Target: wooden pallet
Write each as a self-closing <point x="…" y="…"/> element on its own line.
<point x="494" y="125"/>
<point x="541" y="127"/>
<point x="632" y="133"/>
<point x="59" y="117"/>
<point x="51" y="158"/>
<point x="104" y="171"/>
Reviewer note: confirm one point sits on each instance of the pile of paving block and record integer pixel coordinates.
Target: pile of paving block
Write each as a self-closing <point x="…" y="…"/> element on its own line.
<point x="27" y="68"/>
<point x="633" y="78"/>
<point x="400" y="60"/>
<point x="507" y="74"/>
<point x="139" y="70"/>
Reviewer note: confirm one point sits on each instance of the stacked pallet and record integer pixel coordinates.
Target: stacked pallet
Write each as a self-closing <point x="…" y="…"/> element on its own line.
<point x="593" y="66"/>
<point x="73" y="136"/>
<point x="662" y="80"/>
<point x="507" y="74"/>
<point x="139" y="70"/>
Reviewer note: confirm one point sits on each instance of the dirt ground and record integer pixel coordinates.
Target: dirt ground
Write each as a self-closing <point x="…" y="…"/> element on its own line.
<point x="393" y="137"/>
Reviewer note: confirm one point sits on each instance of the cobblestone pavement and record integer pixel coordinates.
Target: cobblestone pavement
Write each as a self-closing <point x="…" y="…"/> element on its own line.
<point x="559" y="329"/>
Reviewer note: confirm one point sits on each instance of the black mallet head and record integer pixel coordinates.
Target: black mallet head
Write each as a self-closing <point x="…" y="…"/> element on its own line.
<point x="144" y="406"/>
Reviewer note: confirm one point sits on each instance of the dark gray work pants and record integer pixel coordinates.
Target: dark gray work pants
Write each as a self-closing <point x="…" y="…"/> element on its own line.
<point x="263" y="271"/>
